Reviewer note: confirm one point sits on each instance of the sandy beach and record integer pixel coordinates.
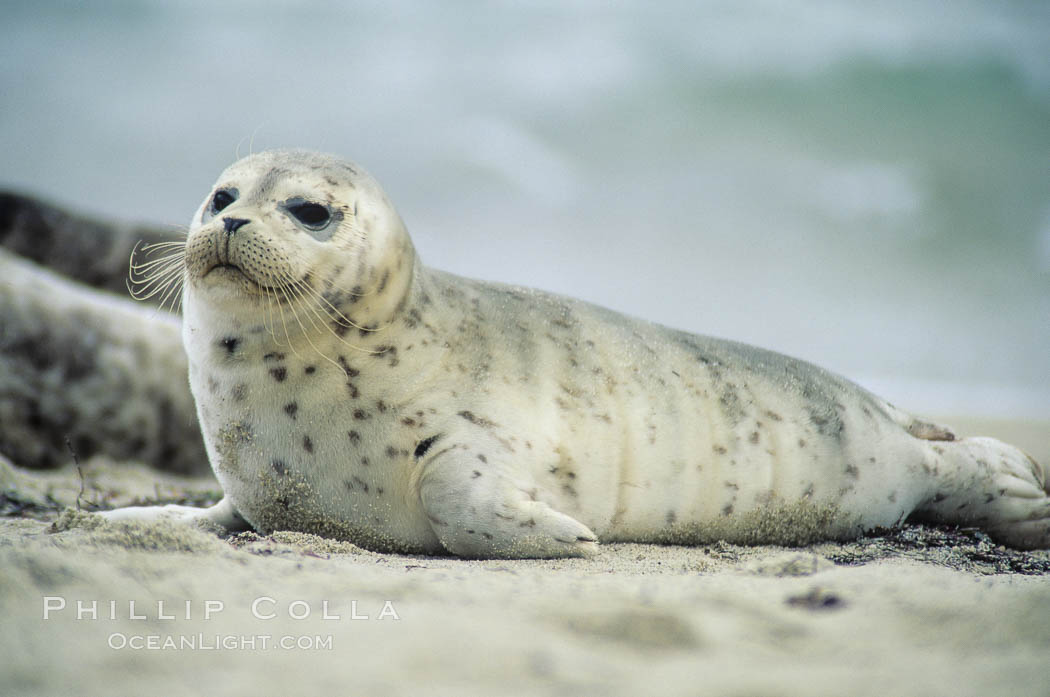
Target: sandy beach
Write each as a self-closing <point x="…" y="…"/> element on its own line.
<point x="92" y="608"/>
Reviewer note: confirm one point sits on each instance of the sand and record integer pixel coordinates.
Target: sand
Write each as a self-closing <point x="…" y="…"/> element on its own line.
<point x="918" y="611"/>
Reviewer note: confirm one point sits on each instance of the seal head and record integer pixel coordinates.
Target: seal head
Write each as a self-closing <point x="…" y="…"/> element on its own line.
<point x="303" y="233"/>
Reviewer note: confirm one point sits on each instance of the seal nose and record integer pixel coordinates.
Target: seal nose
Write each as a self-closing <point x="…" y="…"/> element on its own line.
<point x="232" y="225"/>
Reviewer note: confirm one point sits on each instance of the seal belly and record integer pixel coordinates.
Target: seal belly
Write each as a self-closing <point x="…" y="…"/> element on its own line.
<point x="685" y="438"/>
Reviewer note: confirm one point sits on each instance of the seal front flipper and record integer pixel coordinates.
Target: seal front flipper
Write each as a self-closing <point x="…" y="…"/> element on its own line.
<point x="222" y="515"/>
<point x="482" y="512"/>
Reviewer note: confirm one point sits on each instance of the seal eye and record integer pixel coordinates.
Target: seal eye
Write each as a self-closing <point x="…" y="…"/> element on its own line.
<point x="312" y="215"/>
<point x="221" y="199"/>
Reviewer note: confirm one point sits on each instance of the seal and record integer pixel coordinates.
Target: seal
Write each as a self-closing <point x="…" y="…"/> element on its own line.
<point x="86" y="371"/>
<point x="82" y="369"/>
<point x="344" y="389"/>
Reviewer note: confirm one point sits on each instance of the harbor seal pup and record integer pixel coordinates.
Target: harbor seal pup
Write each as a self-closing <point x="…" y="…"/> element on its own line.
<point x="345" y="389"/>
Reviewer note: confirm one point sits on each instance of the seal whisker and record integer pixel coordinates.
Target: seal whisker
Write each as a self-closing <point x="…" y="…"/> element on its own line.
<point x="151" y="268"/>
<point x="168" y="267"/>
<point x="313" y="307"/>
<point x="270" y="300"/>
<point x="162" y="244"/>
<point x="355" y="293"/>
<point x="165" y="291"/>
<point x="163" y="276"/>
<point x="279" y="290"/>
<point x="334" y="313"/>
<point x="284" y="324"/>
<point x="181" y="230"/>
<point x="149" y="249"/>
<point x="283" y="287"/>
<point x="144" y="282"/>
<point x="251" y="141"/>
<point x="268" y="321"/>
<point x="295" y="292"/>
<point x="291" y="289"/>
<point x="328" y="328"/>
<point x="174" y="295"/>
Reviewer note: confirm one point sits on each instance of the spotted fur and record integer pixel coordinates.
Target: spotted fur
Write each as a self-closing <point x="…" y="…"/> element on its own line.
<point x="488" y="420"/>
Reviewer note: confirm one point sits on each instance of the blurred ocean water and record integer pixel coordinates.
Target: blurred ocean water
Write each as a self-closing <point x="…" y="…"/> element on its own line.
<point x="864" y="185"/>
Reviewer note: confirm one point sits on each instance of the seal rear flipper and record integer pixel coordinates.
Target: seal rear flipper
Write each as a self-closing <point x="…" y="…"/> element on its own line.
<point x="995" y="486"/>
<point x="484" y="514"/>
